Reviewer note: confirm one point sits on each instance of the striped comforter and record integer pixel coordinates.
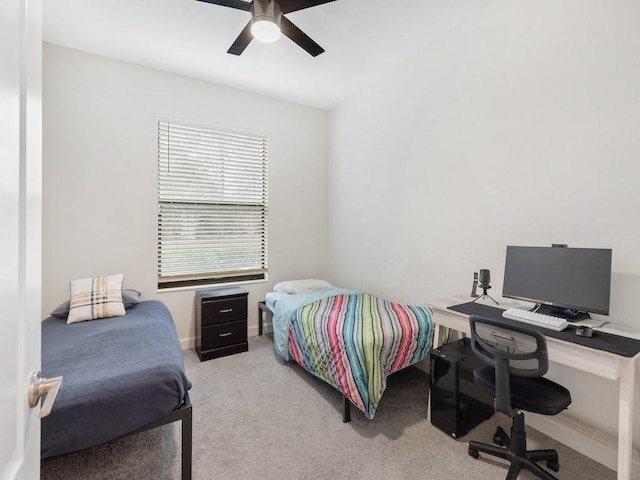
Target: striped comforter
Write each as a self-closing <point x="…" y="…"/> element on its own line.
<point x="354" y="341"/>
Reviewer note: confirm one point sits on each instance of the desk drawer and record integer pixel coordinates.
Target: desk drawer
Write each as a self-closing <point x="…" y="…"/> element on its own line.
<point x="224" y="310"/>
<point x="222" y="334"/>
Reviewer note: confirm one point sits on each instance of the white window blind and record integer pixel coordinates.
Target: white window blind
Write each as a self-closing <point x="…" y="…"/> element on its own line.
<point x="212" y="205"/>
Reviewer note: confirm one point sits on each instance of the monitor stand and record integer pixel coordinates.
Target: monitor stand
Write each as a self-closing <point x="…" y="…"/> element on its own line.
<point x="568" y="314"/>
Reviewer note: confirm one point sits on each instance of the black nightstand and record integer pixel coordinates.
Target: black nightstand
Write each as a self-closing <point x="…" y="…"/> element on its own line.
<point x="221" y="322"/>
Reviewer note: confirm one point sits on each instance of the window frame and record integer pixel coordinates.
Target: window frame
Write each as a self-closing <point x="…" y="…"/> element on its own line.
<point x="174" y="280"/>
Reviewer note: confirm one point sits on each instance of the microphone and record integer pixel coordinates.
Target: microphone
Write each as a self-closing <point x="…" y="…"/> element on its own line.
<point x="484" y="282"/>
<point x="485" y="278"/>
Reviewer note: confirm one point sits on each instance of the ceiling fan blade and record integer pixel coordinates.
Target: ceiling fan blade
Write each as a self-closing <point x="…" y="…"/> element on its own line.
<point x="239" y="4"/>
<point x="288" y="6"/>
<point x="299" y="37"/>
<point x="242" y="41"/>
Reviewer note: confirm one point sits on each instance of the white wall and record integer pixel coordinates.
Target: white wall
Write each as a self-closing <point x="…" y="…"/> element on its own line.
<point x="100" y="174"/>
<point x="519" y="127"/>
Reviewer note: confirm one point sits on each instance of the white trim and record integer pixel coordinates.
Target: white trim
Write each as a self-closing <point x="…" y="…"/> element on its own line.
<point x="210" y="286"/>
<point x="188" y="343"/>
<point x="593" y="443"/>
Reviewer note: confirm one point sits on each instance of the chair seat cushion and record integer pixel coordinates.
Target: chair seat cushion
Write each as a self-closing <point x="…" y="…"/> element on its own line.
<point x="533" y="394"/>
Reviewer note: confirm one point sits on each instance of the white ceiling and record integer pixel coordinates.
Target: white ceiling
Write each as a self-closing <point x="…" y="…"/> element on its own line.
<point x="361" y="38"/>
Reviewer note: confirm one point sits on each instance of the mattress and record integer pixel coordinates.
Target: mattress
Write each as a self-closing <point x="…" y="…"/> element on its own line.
<point x="119" y="374"/>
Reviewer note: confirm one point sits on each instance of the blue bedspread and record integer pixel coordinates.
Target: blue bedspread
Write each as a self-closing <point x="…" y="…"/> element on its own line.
<point x="120" y="373"/>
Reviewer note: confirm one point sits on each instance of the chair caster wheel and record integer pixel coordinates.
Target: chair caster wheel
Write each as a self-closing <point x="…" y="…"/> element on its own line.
<point x="497" y="439"/>
<point x="553" y="465"/>
<point x="473" y="453"/>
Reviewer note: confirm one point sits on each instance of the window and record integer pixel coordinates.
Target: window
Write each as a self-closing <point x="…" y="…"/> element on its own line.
<point x="212" y="205"/>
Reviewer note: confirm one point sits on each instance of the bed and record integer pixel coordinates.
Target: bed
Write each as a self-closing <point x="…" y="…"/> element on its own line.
<point x="121" y="375"/>
<point x="352" y="340"/>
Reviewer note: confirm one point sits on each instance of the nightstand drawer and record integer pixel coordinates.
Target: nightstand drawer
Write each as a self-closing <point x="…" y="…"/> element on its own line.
<point x="221" y="334"/>
<point x="223" y="310"/>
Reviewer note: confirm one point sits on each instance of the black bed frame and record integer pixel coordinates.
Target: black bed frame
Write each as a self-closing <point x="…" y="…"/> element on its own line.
<point x="183" y="413"/>
<point x="264" y="309"/>
<point x="346" y="409"/>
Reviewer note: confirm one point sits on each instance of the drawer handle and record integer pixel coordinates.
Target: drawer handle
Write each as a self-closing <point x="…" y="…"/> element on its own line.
<point x="225" y="334"/>
<point x="226" y="310"/>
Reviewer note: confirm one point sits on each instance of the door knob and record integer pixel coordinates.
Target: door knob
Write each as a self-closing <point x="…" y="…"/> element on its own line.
<point x="47" y="387"/>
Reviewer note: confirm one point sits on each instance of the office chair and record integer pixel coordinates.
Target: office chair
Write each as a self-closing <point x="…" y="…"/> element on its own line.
<point x="516" y="358"/>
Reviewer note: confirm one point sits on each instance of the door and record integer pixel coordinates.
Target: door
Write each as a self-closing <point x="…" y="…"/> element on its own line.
<point x="20" y="233"/>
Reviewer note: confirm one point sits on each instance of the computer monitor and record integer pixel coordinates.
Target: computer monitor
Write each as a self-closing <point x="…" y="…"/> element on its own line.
<point x="567" y="282"/>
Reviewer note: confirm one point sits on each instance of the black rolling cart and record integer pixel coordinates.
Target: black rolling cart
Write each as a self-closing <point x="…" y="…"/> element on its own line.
<point x="457" y="403"/>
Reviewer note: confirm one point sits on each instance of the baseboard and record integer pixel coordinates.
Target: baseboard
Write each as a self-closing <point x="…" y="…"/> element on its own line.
<point x="252" y="331"/>
<point x="266" y="328"/>
<point x="187" y="343"/>
<point x="587" y="440"/>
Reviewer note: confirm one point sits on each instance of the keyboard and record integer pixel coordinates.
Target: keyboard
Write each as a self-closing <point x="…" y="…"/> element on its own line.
<point x="533" y="318"/>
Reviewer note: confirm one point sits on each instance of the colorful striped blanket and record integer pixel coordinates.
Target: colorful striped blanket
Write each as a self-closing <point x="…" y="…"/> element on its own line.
<point x="354" y="341"/>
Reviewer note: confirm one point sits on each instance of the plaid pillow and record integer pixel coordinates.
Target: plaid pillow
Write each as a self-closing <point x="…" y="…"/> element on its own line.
<point x="98" y="297"/>
<point x="130" y="298"/>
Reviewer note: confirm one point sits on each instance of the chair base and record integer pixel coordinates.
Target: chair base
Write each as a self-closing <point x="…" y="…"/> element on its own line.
<point x="515" y="451"/>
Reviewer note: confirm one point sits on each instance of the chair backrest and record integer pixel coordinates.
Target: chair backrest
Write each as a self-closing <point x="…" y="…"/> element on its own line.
<point x="511" y="349"/>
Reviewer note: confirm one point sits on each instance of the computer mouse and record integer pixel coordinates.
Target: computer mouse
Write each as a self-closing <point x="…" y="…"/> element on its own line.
<point x="583" y="331"/>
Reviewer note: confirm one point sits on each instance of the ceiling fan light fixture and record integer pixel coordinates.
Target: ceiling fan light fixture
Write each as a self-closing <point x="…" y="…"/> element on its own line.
<point x="265" y="23"/>
<point x="265" y="30"/>
<point x="268" y="23"/>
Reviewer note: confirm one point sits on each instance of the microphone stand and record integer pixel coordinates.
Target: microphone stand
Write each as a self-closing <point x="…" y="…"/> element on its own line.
<point x="485" y="287"/>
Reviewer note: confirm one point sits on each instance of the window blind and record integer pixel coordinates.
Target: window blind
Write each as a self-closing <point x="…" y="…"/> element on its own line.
<point x="212" y="205"/>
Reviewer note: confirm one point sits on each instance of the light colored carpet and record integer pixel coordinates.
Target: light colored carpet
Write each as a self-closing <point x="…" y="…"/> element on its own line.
<point x="255" y="417"/>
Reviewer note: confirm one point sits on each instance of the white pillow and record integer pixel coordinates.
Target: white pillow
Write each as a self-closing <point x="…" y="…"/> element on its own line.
<point x="97" y="297"/>
<point x="302" y="286"/>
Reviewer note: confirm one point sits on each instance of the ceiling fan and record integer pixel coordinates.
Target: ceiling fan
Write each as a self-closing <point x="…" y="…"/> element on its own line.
<point x="268" y="22"/>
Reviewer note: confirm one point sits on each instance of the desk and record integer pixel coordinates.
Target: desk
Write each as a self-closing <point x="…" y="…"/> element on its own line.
<point x="597" y="362"/>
